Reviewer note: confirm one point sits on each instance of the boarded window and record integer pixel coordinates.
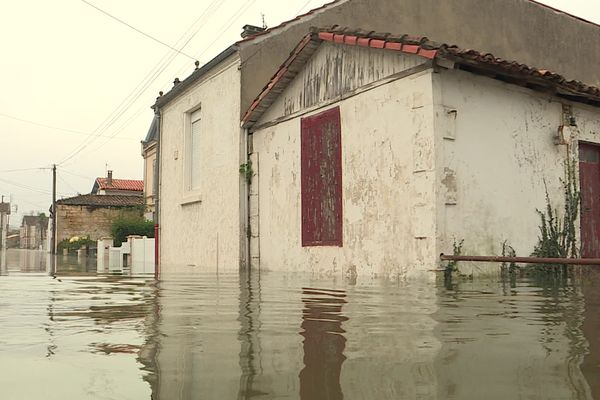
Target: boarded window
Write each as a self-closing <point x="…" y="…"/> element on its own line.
<point x="195" y="149"/>
<point x="321" y="167"/>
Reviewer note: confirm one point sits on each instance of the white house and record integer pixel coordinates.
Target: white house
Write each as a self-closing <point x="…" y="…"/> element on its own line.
<point x="200" y="201"/>
<point x="375" y="153"/>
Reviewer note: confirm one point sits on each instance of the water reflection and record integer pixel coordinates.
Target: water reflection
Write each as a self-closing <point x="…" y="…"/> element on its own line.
<point x="3" y="270"/>
<point x="298" y="336"/>
<point x="591" y="329"/>
<point x="324" y="344"/>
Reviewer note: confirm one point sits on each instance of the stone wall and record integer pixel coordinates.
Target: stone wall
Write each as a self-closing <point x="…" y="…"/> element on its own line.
<point x="89" y="221"/>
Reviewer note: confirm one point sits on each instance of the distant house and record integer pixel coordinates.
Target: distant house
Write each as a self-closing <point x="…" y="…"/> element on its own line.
<point x="32" y="234"/>
<point x="376" y="152"/>
<point x="92" y="215"/>
<point x="149" y="147"/>
<point x="121" y="187"/>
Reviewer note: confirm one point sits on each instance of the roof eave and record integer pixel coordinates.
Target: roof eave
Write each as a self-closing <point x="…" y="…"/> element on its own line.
<point x="195" y="76"/>
<point x="477" y="62"/>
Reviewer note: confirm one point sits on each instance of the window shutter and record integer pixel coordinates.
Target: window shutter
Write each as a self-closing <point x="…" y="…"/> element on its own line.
<point x="321" y="179"/>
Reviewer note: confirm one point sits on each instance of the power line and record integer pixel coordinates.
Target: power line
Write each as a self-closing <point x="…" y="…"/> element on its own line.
<point x="228" y="24"/>
<point x="75" y="191"/>
<point x="24" y="169"/>
<point x="66" y="130"/>
<point x="295" y="15"/>
<point x="17" y="201"/>
<point x="141" y="87"/>
<point x="303" y="7"/>
<point x="74" y="174"/>
<point x="137" y="30"/>
<point x="224" y="28"/>
<point x="26" y="187"/>
<point x="42" y="125"/>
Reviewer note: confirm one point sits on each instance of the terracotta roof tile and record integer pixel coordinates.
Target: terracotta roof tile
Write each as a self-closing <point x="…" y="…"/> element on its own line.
<point x="102" y="200"/>
<point x="121" y="184"/>
<point x="468" y="59"/>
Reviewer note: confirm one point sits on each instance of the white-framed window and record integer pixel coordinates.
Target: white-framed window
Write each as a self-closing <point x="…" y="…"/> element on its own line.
<point x="195" y="151"/>
<point x="193" y="143"/>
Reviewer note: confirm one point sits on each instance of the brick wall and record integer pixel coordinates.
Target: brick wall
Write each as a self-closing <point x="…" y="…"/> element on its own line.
<point x="94" y="222"/>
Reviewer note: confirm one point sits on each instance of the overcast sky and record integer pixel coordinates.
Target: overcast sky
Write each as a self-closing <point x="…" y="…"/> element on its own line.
<point x="66" y="65"/>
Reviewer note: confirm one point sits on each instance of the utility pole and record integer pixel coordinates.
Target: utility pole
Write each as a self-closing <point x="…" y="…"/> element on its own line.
<point x="53" y="240"/>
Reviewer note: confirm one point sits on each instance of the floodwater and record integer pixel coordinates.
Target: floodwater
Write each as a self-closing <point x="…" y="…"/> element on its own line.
<point x="82" y="334"/>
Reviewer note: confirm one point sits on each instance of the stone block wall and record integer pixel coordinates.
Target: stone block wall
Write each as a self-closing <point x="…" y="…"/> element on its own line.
<point x="89" y="221"/>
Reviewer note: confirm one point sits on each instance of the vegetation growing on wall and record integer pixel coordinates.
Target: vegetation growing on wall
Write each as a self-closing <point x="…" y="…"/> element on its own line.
<point x="247" y="171"/>
<point x="456" y="251"/>
<point x="75" y="243"/>
<point x="558" y="235"/>
<point x="508" y="251"/>
<point x="125" y="226"/>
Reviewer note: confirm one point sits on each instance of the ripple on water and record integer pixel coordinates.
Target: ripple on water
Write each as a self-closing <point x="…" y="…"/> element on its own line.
<point x="300" y="336"/>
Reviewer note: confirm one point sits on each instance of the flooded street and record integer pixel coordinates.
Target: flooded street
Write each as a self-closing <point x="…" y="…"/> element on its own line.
<point x="83" y="334"/>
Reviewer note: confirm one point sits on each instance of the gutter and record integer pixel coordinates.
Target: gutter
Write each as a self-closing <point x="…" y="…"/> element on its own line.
<point x="156" y="190"/>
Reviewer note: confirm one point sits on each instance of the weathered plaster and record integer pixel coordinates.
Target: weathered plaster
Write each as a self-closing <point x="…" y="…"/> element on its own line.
<point x="387" y="202"/>
<point x="496" y="169"/>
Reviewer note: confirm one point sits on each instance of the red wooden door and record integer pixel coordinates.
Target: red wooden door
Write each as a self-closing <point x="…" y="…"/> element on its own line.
<point x="589" y="179"/>
<point x="321" y="179"/>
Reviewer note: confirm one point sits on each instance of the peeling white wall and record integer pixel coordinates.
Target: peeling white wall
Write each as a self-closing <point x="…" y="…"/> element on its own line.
<point x="203" y="228"/>
<point x="496" y="156"/>
<point x="387" y="195"/>
<point x="335" y="72"/>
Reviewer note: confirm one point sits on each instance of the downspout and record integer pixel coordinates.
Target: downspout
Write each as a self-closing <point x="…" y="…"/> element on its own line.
<point x="245" y="204"/>
<point x="156" y="190"/>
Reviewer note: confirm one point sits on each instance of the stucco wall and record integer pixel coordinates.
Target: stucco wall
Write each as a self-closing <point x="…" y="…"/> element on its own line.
<point x="387" y="194"/>
<point x="513" y="29"/>
<point x="94" y="222"/>
<point x="202" y="228"/>
<point x="492" y="175"/>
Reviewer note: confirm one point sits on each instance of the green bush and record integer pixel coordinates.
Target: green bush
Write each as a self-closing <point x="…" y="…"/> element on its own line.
<point x="75" y="243"/>
<point x="558" y="238"/>
<point x="125" y="226"/>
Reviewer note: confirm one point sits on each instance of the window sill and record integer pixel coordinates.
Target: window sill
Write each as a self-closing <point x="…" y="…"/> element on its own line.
<point x="191" y="199"/>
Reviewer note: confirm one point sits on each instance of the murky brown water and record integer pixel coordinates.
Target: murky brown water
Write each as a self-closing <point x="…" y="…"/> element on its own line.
<point x="83" y="335"/>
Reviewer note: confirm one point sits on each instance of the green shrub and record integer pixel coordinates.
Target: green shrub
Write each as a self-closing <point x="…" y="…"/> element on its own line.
<point x="558" y="237"/>
<point x="75" y="243"/>
<point x="125" y="226"/>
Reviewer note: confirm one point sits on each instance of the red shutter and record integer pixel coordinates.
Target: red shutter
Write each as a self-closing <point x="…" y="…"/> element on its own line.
<point x="589" y="179"/>
<point x="321" y="164"/>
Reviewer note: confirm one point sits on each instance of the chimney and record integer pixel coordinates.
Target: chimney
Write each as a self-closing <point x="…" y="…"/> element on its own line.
<point x="249" y="30"/>
<point x="109" y="178"/>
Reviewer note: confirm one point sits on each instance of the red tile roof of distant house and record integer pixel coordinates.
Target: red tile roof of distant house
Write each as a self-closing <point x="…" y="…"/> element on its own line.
<point x="466" y="59"/>
<point x="120" y="184"/>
